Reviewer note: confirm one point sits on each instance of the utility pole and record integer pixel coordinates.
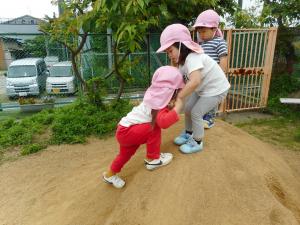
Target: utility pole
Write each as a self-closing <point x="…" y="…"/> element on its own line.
<point x="240" y="2"/>
<point x="60" y="8"/>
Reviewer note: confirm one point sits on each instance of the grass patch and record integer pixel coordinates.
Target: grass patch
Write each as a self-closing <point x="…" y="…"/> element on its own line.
<point x="32" y="148"/>
<point x="280" y="131"/>
<point x="15" y="114"/>
<point x="284" y="128"/>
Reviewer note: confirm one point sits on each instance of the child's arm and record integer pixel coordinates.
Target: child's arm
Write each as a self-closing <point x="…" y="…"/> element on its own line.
<point x="178" y="105"/>
<point x="192" y="84"/>
<point x="223" y="63"/>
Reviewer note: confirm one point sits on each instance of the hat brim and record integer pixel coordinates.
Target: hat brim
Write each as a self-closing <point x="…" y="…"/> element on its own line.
<point x="189" y="44"/>
<point x="164" y="47"/>
<point x="193" y="46"/>
<point x="202" y="25"/>
<point x="156" y="93"/>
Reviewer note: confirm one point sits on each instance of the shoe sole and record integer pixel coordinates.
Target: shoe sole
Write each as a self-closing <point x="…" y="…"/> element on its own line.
<point x="106" y="181"/>
<point x="208" y="127"/>
<point x="153" y="167"/>
<point x="180" y="143"/>
<point x="191" y="152"/>
<point x="194" y="151"/>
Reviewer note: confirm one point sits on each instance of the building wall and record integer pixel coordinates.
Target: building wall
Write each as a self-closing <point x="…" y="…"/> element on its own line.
<point x="2" y="58"/>
<point x="19" y="28"/>
<point x="7" y="52"/>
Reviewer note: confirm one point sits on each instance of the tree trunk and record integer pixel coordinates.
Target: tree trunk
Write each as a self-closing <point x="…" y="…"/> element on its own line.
<point x="121" y="88"/>
<point x="76" y="71"/>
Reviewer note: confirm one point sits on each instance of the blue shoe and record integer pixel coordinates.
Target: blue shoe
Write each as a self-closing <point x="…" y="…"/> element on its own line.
<point x="191" y="146"/>
<point x="182" y="138"/>
<point x="208" y="121"/>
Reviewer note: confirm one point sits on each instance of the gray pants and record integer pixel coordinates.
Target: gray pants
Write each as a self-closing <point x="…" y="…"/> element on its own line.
<point x="195" y="108"/>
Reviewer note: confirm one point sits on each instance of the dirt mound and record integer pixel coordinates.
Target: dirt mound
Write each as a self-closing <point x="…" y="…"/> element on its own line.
<point x="237" y="179"/>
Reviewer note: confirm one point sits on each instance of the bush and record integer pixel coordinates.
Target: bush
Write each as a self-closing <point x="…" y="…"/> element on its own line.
<point x="69" y="124"/>
<point x="73" y="124"/>
<point x="281" y="86"/>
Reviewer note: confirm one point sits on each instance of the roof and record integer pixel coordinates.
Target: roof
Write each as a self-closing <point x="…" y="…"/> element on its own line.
<point x="16" y="29"/>
<point x="25" y="61"/>
<point x="63" y="63"/>
<point x="12" y="21"/>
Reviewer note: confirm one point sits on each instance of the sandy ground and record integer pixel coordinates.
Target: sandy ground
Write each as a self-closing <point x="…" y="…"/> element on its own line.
<point x="235" y="180"/>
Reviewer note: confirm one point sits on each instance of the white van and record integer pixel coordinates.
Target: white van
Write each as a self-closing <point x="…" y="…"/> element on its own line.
<point x="50" y="60"/>
<point x="26" y="77"/>
<point x="61" y="79"/>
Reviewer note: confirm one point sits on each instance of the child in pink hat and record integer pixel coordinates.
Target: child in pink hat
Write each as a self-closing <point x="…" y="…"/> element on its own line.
<point x="211" y="40"/>
<point x="206" y="83"/>
<point x="143" y="124"/>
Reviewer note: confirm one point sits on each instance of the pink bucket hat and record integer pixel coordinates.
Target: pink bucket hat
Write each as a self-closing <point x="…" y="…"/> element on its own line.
<point x="177" y="33"/>
<point x="209" y="18"/>
<point x="165" y="81"/>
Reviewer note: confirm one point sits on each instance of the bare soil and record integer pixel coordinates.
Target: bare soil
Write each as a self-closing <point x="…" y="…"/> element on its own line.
<point x="236" y="179"/>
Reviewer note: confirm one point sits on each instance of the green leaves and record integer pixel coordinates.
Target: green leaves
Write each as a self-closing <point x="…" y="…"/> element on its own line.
<point x="129" y="21"/>
<point x="284" y="12"/>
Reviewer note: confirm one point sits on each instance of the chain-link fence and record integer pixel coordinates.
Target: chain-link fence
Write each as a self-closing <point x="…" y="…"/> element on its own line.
<point x="250" y="58"/>
<point x="96" y="57"/>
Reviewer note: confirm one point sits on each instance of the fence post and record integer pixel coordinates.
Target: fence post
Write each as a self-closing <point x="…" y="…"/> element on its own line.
<point x="109" y="42"/>
<point x="272" y="34"/>
<point x="148" y="59"/>
<point x="223" y="106"/>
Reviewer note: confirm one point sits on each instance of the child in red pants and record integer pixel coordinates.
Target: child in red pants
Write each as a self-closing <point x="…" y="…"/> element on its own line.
<point x="143" y="124"/>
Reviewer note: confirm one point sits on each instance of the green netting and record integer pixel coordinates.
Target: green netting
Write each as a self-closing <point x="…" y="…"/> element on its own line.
<point x="248" y="49"/>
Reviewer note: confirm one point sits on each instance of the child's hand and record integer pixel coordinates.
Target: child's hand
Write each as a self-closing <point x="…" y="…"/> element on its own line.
<point x="171" y="104"/>
<point x="178" y="105"/>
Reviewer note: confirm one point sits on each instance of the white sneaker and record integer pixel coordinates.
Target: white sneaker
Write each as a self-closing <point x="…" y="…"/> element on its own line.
<point x="164" y="159"/>
<point x="115" y="180"/>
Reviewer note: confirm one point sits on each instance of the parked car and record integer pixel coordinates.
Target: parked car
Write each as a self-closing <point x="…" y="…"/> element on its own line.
<point x="61" y="79"/>
<point x="26" y="77"/>
<point x="50" y="60"/>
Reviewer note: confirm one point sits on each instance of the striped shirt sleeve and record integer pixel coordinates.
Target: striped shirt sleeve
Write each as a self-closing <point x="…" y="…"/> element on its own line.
<point x="222" y="48"/>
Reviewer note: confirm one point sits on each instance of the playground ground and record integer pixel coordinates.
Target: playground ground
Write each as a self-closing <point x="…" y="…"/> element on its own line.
<point x="236" y="179"/>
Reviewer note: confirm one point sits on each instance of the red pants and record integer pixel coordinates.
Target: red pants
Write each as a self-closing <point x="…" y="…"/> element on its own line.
<point x="130" y="138"/>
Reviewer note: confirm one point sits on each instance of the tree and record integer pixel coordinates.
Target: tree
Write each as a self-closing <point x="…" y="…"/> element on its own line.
<point x="286" y="15"/>
<point x="130" y="22"/>
<point x="281" y="12"/>
<point x="186" y="11"/>
<point x="35" y="47"/>
<point x="243" y="18"/>
<point x="41" y="46"/>
<point x="71" y="29"/>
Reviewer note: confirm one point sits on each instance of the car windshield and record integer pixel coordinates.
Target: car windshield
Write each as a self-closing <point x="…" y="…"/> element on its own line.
<point x="60" y="71"/>
<point x="21" y="71"/>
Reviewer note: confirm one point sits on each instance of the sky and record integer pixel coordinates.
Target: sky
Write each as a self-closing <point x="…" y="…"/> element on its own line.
<point x="36" y="8"/>
<point x="39" y="8"/>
